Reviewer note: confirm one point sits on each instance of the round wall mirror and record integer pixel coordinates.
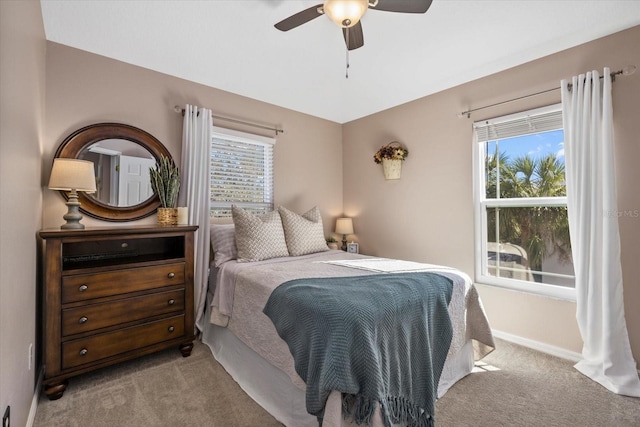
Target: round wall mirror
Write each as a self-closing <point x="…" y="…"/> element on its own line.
<point x="122" y="156"/>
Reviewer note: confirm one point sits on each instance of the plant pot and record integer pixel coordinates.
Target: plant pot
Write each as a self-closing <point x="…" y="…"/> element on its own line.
<point x="167" y="216"/>
<point x="333" y="245"/>
<point x="392" y="168"/>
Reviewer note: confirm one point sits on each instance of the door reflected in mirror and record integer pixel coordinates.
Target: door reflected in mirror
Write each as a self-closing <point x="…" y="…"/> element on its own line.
<point x="122" y="172"/>
<point x="122" y="155"/>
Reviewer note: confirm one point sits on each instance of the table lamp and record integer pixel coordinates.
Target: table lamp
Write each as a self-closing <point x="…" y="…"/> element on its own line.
<point x="344" y="226"/>
<point x="72" y="175"/>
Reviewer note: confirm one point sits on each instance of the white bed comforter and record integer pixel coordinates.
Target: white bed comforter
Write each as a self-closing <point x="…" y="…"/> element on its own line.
<point x="242" y="290"/>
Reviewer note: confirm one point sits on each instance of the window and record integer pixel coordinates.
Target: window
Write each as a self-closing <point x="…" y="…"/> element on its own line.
<point x="522" y="228"/>
<point x="241" y="172"/>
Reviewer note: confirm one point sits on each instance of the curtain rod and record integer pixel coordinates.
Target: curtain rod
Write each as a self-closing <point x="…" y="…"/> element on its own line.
<point x="179" y="109"/>
<point x="626" y="71"/>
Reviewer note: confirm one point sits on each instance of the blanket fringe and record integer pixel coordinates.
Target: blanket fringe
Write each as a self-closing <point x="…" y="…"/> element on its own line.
<point x="358" y="408"/>
<point x="394" y="410"/>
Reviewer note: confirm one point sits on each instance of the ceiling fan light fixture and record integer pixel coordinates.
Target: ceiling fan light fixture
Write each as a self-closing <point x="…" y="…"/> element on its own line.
<point x="345" y="13"/>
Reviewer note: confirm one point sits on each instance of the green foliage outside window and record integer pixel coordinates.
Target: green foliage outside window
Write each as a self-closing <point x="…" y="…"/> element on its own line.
<point x="541" y="230"/>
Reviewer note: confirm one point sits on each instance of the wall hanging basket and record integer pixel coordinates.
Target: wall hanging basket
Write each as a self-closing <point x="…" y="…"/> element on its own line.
<point x="391" y="157"/>
<point x="167" y="216"/>
<point x="392" y="168"/>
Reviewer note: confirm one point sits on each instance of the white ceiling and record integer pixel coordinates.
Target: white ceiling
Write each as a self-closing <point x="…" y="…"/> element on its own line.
<point x="232" y="45"/>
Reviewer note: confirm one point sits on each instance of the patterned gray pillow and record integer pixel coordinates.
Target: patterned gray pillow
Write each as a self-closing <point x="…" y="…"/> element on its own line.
<point x="258" y="237"/>
<point x="304" y="233"/>
<point x="223" y="241"/>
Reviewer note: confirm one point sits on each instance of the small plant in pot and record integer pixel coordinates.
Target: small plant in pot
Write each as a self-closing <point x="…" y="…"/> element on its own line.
<point x="332" y="242"/>
<point x="165" y="182"/>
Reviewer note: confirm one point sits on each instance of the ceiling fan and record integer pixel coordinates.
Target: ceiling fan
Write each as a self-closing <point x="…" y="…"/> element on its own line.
<point x="347" y="15"/>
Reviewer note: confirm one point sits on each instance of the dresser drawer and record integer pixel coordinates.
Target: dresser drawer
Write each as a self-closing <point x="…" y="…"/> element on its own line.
<point x="86" y="286"/>
<point x="96" y="316"/>
<point x="91" y="349"/>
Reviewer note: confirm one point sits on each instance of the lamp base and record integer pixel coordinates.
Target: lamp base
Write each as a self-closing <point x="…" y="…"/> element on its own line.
<point x="344" y="242"/>
<point x="73" y="215"/>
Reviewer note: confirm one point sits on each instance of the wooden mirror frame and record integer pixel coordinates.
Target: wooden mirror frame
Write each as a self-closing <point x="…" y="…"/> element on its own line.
<point x="81" y="139"/>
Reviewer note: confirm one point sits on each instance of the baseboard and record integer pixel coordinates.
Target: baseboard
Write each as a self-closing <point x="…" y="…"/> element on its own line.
<point x="539" y="346"/>
<point x="34" y="401"/>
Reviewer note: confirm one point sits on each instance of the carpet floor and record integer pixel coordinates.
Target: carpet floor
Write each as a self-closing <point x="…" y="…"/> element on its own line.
<point x="513" y="386"/>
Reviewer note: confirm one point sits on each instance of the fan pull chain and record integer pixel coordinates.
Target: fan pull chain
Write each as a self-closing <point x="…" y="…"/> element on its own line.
<point x="347" y="72"/>
<point x="347" y="67"/>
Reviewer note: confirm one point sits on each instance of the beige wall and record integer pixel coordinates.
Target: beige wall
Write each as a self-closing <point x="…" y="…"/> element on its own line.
<point x="83" y="88"/>
<point x="22" y="85"/>
<point x="428" y="214"/>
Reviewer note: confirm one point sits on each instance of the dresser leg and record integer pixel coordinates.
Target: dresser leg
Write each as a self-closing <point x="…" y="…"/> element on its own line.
<point x="185" y="349"/>
<point x="56" y="390"/>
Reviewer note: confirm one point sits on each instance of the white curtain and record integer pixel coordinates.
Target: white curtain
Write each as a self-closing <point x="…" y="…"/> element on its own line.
<point x="194" y="193"/>
<point x="595" y="240"/>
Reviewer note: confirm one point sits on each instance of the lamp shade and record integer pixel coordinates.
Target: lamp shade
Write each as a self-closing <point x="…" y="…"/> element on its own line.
<point x="344" y="226"/>
<point x="345" y="13"/>
<point x="72" y="174"/>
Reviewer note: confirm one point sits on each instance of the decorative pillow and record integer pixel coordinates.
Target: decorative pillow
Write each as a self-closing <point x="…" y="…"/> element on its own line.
<point x="223" y="241"/>
<point x="304" y="233"/>
<point x="258" y="237"/>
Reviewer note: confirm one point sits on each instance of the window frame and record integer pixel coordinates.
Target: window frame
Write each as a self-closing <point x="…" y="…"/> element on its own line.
<point x="245" y="138"/>
<point x="481" y="204"/>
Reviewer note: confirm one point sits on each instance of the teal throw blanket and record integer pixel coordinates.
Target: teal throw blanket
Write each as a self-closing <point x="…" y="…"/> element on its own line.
<point x="379" y="339"/>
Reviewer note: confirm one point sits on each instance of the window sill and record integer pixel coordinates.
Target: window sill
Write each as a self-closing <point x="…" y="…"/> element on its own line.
<point x="541" y="289"/>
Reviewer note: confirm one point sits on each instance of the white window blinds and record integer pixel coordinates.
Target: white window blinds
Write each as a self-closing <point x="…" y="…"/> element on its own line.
<point x="241" y="172"/>
<point x="519" y="124"/>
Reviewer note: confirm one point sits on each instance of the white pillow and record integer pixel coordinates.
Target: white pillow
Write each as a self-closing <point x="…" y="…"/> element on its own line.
<point x="304" y="233"/>
<point x="258" y="237"/>
<point x="223" y="241"/>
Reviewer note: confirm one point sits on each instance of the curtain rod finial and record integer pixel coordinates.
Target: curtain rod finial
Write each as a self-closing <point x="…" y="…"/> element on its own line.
<point x="177" y="109"/>
<point x="628" y="70"/>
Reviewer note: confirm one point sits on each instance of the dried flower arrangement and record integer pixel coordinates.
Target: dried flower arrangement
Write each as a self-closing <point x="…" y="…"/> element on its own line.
<point x="391" y="151"/>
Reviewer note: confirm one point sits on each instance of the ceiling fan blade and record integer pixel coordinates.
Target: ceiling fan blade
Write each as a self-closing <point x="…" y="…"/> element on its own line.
<point x="353" y="36"/>
<point x="403" y="6"/>
<point x="299" y="18"/>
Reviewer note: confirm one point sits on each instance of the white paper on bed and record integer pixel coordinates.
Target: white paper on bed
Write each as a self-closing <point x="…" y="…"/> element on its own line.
<point x="387" y="265"/>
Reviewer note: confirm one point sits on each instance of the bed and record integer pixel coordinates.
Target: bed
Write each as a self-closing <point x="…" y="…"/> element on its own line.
<point x="245" y="342"/>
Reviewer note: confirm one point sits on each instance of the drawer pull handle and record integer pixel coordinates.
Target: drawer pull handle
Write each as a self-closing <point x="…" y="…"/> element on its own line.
<point x="171" y="328"/>
<point x="171" y="275"/>
<point x="84" y="352"/>
<point x="83" y="288"/>
<point x="82" y="320"/>
<point x="171" y="301"/>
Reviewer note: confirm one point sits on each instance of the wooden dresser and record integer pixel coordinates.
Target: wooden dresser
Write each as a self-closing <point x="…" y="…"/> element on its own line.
<point x="112" y="294"/>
